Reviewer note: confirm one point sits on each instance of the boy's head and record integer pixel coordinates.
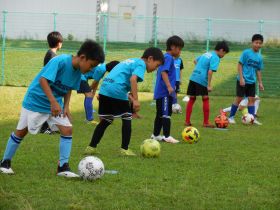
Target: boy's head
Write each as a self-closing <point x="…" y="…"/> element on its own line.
<point x="174" y="45"/>
<point x="111" y="65"/>
<point x="90" y="55"/>
<point x="153" y="58"/>
<point x="55" y="40"/>
<point x="222" y="49"/>
<point x="257" y="41"/>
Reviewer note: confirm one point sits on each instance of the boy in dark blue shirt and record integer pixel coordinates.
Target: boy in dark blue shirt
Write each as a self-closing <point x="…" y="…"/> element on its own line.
<point x="164" y="93"/>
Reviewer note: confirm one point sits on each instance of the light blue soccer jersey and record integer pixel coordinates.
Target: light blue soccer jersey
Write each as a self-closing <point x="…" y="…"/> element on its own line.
<point x="178" y="66"/>
<point x="207" y="61"/>
<point x="62" y="77"/>
<point x="117" y="83"/>
<point x="169" y="67"/>
<point x="251" y="63"/>
<point x="95" y="73"/>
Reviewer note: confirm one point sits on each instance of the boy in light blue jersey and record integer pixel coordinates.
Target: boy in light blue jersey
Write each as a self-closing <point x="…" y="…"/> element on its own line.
<point x="97" y="73"/>
<point x="200" y="81"/>
<point x="114" y="99"/>
<point x="164" y="92"/>
<point x="249" y="69"/>
<point x="179" y="66"/>
<point x="47" y="99"/>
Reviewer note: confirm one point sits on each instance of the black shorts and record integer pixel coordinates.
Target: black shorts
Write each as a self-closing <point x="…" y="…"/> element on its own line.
<point x="249" y="90"/>
<point x="84" y="87"/>
<point x="195" y="89"/>
<point x="113" y="107"/>
<point x="164" y="106"/>
<point x="177" y="87"/>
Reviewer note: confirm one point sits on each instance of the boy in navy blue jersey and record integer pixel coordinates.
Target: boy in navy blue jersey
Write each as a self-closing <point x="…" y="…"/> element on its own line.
<point x="200" y="81"/>
<point x="250" y="64"/>
<point x="97" y="73"/>
<point x="164" y="93"/>
<point x="113" y="97"/>
<point x="47" y="99"/>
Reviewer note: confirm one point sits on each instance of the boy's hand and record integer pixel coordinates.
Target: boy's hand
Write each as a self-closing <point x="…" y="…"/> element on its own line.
<point x="55" y="109"/>
<point x="66" y="113"/>
<point x="209" y="88"/>
<point x="242" y="82"/>
<point x="261" y="87"/>
<point x="170" y="90"/>
<point x="136" y="105"/>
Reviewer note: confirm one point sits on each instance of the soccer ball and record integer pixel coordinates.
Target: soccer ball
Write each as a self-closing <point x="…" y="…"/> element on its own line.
<point x="221" y="121"/>
<point x="176" y="108"/>
<point x="190" y="134"/>
<point x="91" y="168"/>
<point x="247" y="119"/>
<point x="150" y="148"/>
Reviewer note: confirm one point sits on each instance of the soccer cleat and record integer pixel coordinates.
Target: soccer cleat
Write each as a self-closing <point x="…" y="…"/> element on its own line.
<point x="187" y="124"/>
<point x="127" y="152"/>
<point x="5" y="167"/>
<point x="65" y="171"/>
<point x="158" y="138"/>
<point x="231" y="120"/>
<point x="171" y="140"/>
<point x="208" y="125"/>
<point x="91" y="151"/>
<point x="257" y="122"/>
<point x="93" y="122"/>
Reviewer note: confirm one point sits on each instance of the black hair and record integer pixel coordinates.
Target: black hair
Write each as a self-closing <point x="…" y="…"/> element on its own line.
<point x="155" y="52"/>
<point x="111" y="65"/>
<point x="222" y="45"/>
<point x="175" y="41"/>
<point x="92" y="50"/>
<point x="257" y="37"/>
<point x="54" y="38"/>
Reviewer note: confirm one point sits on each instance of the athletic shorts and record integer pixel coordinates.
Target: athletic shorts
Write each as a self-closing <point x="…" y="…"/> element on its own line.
<point x="34" y="121"/>
<point x="164" y="106"/>
<point x="177" y="87"/>
<point x="195" y="89"/>
<point x="84" y="87"/>
<point x="113" y="108"/>
<point x="249" y="90"/>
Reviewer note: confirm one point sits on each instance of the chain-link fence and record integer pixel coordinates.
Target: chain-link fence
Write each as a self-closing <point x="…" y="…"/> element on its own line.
<point x="23" y="43"/>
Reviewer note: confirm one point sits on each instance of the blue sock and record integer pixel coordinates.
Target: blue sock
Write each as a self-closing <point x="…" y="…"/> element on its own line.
<point x="64" y="149"/>
<point x="251" y="110"/>
<point x="233" y="110"/>
<point x="88" y="108"/>
<point x="11" y="147"/>
<point x="174" y="100"/>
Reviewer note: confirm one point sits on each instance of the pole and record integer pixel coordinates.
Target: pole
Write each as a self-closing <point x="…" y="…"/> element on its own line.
<point x="209" y="32"/>
<point x="105" y="16"/>
<point x="3" y="46"/>
<point x="54" y="21"/>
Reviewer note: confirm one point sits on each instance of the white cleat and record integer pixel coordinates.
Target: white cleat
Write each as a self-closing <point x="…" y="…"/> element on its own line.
<point x="158" y="138"/>
<point x="7" y="171"/>
<point x="257" y="122"/>
<point x="68" y="174"/>
<point x="171" y="140"/>
<point x="5" y="167"/>
<point x="231" y="120"/>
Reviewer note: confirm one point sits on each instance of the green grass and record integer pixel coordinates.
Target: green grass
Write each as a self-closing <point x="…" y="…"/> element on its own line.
<point x="24" y="59"/>
<point x="234" y="169"/>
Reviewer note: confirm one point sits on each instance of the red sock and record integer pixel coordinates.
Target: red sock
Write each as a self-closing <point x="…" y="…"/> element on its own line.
<point x="189" y="109"/>
<point x="206" y="110"/>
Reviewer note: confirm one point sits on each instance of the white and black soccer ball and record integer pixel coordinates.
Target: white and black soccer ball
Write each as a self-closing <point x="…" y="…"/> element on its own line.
<point x="176" y="108"/>
<point x="247" y="119"/>
<point x="91" y="168"/>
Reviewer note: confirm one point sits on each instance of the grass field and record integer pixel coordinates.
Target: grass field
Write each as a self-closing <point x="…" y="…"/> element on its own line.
<point x="235" y="169"/>
<point x="24" y="59"/>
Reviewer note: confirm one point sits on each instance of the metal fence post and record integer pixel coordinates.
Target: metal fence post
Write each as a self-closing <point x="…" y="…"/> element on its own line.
<point x="209" y="32"/>
<point x="54" y="21"/>
<point x="261" y="23"/>
<point x="155" y="30"/>
<point x="3" y="46"/>
<point x="105" y="16"/>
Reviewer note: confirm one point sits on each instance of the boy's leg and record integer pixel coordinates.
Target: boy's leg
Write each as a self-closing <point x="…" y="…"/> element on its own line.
<point x="158" y="118"/>
<point x="251" y="105"/>
<point x="189" y="108"/>
<point x="126" y="131"/>
<point x="88" y="106"/>
<point x="206" y="112"/>
<point x="257" y="104"/>
<point x="240" y="92"/>
<point x="99" y="131"/>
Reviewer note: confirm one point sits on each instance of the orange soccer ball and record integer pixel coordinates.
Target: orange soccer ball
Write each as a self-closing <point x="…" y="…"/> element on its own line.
<point x="221" y="121"/>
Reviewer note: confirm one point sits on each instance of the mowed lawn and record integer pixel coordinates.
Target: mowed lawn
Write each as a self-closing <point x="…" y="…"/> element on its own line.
<point x="234" y="169"/>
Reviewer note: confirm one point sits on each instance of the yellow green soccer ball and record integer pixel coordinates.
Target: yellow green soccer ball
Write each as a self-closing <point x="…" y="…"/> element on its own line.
<point x="150" y="148"/>
<point x="190" y="135"/>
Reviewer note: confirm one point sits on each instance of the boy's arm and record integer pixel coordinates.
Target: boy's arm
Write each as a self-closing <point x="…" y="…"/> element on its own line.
<point x="134" y="93"/>
<point x="209" y="87"/>
<point x="66" y="111"/>
<point x="167" y="82"/>
<point x="259" y="76"/>
<point x="94" y="86"/>
<point x="55" y="108"/>
<point x="240" y="68"/>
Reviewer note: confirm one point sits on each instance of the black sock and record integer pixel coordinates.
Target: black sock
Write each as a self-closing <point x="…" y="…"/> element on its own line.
<point x="157" y="125"/>
<point x="166" y="124"/>
<point x="126" y="133"/>
<point x="99" y="132"/>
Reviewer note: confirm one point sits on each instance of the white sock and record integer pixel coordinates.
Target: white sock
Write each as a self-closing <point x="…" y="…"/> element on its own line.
<point x="228" y="109"/>
<point x="257" y="104"/>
